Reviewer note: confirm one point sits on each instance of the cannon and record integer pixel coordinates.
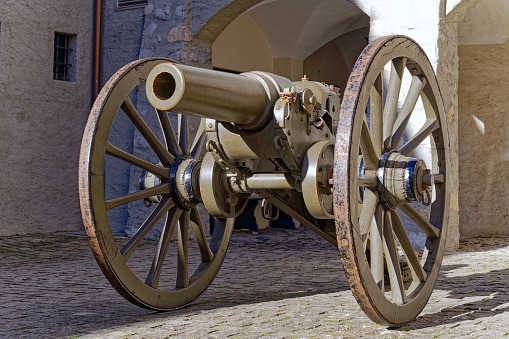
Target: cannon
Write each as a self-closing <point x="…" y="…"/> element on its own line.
<point x="347" y="164"/>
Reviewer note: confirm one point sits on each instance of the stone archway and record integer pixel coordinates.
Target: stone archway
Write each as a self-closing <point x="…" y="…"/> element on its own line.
<point x="320" y="39"/>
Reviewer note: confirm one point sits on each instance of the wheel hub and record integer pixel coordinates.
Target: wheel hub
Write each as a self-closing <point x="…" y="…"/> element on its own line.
<point x="400" y="180"/>
<point x="184" y="182"/>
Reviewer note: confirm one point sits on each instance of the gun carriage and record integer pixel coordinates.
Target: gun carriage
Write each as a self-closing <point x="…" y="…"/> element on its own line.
<point x="344" y="164"/>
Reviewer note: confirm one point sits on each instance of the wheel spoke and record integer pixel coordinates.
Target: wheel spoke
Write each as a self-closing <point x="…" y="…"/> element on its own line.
<point x="158" y="171"/>
<point x="429" y="126"/>
<point x="169" y="134"/>
<point x="199" y="140"/>
<point x="153" y="218"/>
<point x="201" y="238"/>
<point x="368" y="211"/>
<point x="368" y="152"/>
<point x="366" y="236"/>
<point x="418" y="272"/>
<point x="183" y="133"/>
<point x="404" y="115"/>
<point x="164" y="156"/>
<point x="376" y="247"/>
<point x="431" y="231"/>
<point x="163" y="188"/>
<point x="376" y="114"/>
<point x="183" y="244"/>
<point x="369" y="179"/>
<point x="162" y="247"/>
<point x="393" y="267"/>
<point x="391" y="101"/>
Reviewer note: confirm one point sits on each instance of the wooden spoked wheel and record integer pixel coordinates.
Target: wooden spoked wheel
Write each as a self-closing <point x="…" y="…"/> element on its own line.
<point x="143" y="279"/>
<point x="386" y="170"/>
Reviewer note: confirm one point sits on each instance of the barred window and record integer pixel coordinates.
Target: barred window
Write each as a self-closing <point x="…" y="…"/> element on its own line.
<point x="130" y="4"/>
<point x="64" y="57"/>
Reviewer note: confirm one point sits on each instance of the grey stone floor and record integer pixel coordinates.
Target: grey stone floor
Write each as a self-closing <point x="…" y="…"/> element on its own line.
<point x="277" y="284"/>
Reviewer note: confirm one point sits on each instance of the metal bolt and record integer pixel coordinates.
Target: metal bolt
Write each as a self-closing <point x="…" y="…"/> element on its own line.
<point x="210" y="125"/>
<point x="293" y="146"/>
<point x="289" y="132"/>
<point x="319" y="123"/>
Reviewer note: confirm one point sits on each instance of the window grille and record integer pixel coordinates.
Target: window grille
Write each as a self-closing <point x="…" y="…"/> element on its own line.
<point x="62" y="64"/>
<point x="131" y="4"/>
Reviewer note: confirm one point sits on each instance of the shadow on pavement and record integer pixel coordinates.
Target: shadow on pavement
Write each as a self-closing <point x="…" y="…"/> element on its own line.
<point x="491" y="286"/>
<point x="53" y="287"/>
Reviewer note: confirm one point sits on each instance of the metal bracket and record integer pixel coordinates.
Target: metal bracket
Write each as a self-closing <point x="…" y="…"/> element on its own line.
<point x="267" y="210"/>
<point x="221" y="159"/>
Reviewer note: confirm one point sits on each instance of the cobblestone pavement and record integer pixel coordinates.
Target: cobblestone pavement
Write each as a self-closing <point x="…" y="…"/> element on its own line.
<point x="277" y="284"/>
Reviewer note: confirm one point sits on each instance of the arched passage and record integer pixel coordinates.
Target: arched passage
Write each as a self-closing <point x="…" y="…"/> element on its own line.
<point x="321" y="39"/>
<point x="483" y="119"/>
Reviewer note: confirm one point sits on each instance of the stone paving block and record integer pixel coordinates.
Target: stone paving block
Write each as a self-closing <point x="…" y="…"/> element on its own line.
<point x="277" y="284"/>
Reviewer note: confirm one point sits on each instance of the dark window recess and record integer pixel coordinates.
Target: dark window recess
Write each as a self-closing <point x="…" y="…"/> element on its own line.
<point x="64" y="57"/>
<point x="131" y="4"/>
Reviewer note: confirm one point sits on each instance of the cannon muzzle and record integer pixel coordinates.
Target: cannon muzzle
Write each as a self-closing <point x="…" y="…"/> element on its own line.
<point x="246" y="99"/>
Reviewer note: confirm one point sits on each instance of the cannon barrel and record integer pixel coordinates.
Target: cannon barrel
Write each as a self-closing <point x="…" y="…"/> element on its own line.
<point x="245" y="99"/>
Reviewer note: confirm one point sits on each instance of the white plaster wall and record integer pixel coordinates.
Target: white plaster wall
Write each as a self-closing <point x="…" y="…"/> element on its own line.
<point x="42" y="119"/>
<point x="416" y="19"/>
<point x="483" y="139"/>
<point x="482" y="118"/>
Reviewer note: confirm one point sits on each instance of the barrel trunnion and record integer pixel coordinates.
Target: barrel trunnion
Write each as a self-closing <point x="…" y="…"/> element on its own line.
<point x="351" y="172"/>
